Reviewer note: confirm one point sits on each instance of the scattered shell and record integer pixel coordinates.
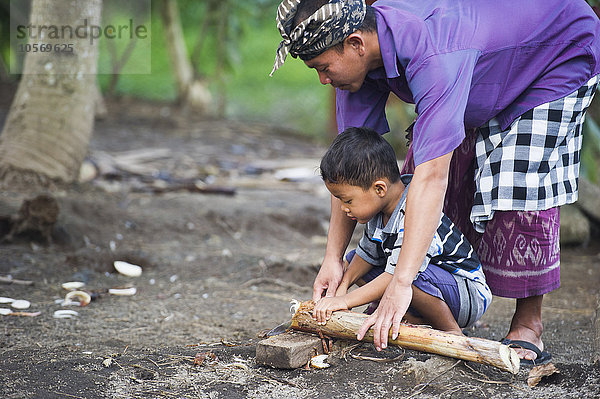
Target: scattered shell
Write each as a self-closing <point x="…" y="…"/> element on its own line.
<point x="4" y="299"/>
<point x="80" y="298"/>
<point x="73" y="285"/>
<point x="239" y="366"/>
<point x="319" y="361"/>
<point x="87" y="171"/>
<point x="21" y="304"/>
<point x="127" y="269"/>
<point x="25" y="314"/>
<point x="65" y="314"/>
<point x="4" y="311"/>
<point x="123" y="291"/>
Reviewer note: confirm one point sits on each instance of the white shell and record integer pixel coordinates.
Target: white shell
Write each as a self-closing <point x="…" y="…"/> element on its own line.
<point x="80" y="298"/>
<point x="294" y="305"/>
<point x="319" y="361"/>
<point x="20" y="304"/>
<point x="65" y="314"/>
<point x="4" y="299"/>
<point x="123" y="291"/>
<point x="73" y="285"/>
<point x="4" y="311"/>
<point x="127" y="269"/>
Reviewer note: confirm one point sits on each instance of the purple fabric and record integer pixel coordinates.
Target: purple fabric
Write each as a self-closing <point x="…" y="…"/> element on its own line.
<point x="519" y="251"/>
<point x="521" y="254"/>
<point x="464" y="62"/>
<point x="439" y="283"/>
<point x="434" y="281"/>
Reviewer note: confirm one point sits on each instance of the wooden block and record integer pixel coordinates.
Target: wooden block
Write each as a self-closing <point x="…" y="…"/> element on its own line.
<point x="289" y="350"/>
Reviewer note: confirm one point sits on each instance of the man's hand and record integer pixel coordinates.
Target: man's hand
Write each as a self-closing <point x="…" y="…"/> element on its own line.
<point x="338" y="237"/>
<point x="326" y="306"/>
<point x="328" y="279"/>
<point x="391" y="310"/>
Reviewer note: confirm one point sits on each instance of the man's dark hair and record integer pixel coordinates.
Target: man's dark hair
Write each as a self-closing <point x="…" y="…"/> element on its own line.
<point x="359" y="156"/>
<point x="306" y="8"/>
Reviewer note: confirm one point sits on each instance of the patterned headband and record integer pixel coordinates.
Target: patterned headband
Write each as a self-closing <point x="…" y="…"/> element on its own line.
<point x="328" y="26"/>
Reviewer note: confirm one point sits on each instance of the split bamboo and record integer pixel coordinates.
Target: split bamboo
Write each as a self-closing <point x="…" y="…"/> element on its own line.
<point x="345" y="324"/>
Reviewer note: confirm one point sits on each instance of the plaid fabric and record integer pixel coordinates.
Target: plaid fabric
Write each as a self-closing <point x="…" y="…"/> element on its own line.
<point x="534" y="164"/>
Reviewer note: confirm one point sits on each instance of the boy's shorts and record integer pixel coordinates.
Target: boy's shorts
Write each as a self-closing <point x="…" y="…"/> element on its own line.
<point x="442" y="284"/>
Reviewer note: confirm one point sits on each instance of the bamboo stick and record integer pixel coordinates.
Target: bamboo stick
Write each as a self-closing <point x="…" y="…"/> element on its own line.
<point x="345" y="324"/>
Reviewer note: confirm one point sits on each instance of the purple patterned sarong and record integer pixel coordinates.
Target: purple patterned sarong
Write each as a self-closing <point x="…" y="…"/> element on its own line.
<point x="519" y="250"/>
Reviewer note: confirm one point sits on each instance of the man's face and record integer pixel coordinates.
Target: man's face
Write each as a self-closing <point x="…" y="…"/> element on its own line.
<point x="345" y="71"/>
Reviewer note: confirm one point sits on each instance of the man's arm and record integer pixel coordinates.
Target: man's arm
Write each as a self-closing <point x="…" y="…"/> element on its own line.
<point x="423" y="209"/>
<point x="338" y="238"/>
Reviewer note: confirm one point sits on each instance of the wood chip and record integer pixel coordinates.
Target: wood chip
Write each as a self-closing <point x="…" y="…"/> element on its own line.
<point x="538" y="372"/>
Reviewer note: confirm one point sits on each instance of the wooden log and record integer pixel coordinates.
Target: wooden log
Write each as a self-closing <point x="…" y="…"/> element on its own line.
<point x="345" y="324"/>
<point x="289" y="350"/>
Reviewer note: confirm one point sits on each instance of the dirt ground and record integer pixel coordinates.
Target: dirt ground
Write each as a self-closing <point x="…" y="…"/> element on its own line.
<point x="217" y="270"/>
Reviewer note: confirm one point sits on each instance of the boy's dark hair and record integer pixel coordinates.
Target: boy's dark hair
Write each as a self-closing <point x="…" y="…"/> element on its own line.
<point x="306" y="8"/>
<point x="358" y="157"/>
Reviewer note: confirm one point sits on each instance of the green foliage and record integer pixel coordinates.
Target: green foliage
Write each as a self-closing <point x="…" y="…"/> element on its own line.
<point x="590" y="151"/>
<point x="293" y="97"/>
<point x="159" y="85"/>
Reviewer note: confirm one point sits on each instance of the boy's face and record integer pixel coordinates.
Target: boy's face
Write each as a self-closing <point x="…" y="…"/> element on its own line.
<point x="358" y="204"/>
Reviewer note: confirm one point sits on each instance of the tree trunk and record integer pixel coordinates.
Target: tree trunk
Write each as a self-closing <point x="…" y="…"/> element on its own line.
<point x="345" y="324"/>
<point x="190" y="92"/>
<point x="100" y="110"/>
<point x="50" y="122"/>
<point x="596" y="341"/>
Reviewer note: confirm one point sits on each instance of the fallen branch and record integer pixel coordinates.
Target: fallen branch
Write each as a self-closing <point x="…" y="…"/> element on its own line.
<point x="10" y="280"/>
<point x="191" y="185"/>
<point x="345" y="324"/>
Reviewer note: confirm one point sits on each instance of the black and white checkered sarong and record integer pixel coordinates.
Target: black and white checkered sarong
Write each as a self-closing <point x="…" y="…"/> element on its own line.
<point x="534" y="164"/>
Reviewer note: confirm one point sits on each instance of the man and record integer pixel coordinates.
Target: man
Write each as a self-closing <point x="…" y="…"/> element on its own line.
<point x="522" y="73"/>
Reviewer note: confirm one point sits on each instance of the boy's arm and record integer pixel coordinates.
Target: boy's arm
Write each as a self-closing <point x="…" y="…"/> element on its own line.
<point x="369" y="292"/>
<point x="357" y="268"/>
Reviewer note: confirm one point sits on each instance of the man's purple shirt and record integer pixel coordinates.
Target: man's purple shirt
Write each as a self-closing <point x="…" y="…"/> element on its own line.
<point x="464" y="62"/>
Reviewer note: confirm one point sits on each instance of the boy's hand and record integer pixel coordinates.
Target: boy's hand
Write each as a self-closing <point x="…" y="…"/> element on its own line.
<point x="326" y="306"/>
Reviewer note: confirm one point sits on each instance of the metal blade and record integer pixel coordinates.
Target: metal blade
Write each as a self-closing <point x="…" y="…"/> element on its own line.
<point x="280" y="329"/>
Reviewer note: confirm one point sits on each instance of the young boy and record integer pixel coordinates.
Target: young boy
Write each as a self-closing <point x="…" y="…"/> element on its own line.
<point x="449" y="292"/>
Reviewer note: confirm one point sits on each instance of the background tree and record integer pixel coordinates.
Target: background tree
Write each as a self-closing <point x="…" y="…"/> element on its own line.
<point x="191" y="92"/>
<point x="50" y="122"/>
